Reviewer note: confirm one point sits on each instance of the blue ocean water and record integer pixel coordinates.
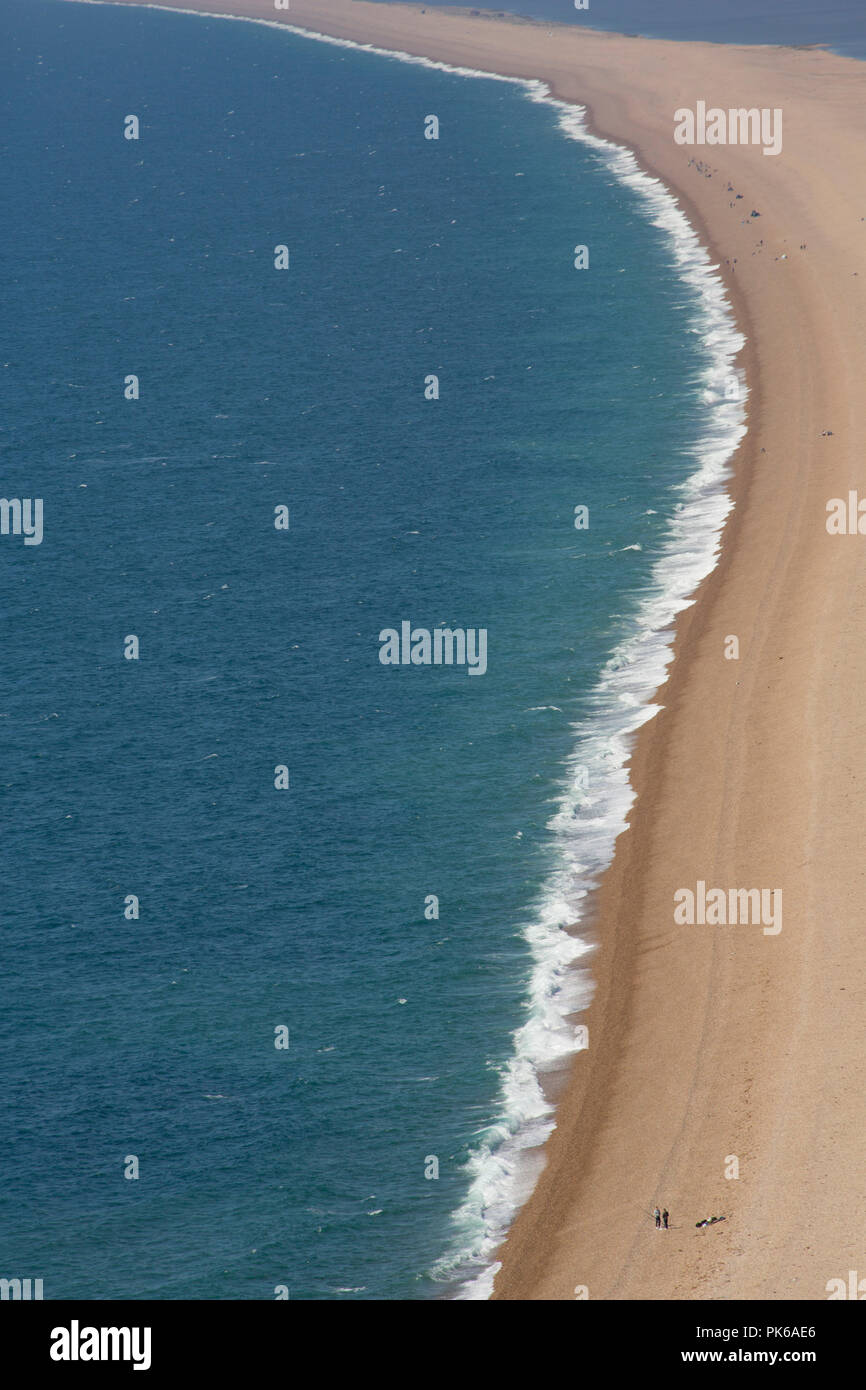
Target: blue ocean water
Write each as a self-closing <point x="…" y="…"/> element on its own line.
<point x="837" y="24"/>
<point x="412" y="1037"/>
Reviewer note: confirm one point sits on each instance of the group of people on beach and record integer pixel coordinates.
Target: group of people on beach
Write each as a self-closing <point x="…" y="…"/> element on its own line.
<point x="662" y="1219"/>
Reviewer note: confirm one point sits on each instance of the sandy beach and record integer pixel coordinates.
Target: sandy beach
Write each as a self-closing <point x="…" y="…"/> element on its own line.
<point x="714" y="1043"/>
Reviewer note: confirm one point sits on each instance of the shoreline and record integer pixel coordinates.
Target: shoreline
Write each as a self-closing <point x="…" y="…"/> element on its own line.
<point x="712" y="1043"/>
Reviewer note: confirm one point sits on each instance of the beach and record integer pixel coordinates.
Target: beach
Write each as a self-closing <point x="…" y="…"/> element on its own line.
<point x="724" y="1073"/>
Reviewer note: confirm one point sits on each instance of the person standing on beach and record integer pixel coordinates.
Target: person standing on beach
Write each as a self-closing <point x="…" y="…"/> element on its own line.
<point x="658" y="1216"/>
<point x="665" y="1217"/>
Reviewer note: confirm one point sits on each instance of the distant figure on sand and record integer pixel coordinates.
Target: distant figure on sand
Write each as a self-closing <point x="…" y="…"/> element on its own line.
<point x="658" y="1216"/>
<point x="665" y="1218"/>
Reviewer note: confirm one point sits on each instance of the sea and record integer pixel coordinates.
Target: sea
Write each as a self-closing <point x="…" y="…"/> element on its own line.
<point x="839" y="25"/>
<point x="296" y="942"/>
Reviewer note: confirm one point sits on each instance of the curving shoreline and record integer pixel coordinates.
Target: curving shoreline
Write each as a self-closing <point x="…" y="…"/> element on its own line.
<point x="707" y="1043"/>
